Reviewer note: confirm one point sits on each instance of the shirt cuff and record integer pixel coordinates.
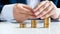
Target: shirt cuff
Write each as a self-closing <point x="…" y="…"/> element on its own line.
<point x="58" y="11"/>
<point x="7" y="12"/>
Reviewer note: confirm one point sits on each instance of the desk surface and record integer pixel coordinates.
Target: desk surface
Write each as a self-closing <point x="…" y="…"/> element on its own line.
<point x="13" y="28"/>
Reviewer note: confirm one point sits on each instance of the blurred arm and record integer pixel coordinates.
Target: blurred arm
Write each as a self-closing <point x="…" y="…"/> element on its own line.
<point x="7" y="12"/>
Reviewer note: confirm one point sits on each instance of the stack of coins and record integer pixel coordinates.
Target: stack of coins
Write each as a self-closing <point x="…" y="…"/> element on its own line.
<point x="46" y="22"/>
<point x="22" y="25"/>
<point x="33" y="23"/>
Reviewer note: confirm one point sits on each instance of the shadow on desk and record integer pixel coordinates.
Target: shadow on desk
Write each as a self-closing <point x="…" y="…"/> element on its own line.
<point x="41" y="21"/>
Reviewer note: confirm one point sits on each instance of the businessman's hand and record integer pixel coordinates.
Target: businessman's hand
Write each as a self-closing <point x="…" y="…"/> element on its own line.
<point x="46" y="9"/>
<point x="22" y="12"/>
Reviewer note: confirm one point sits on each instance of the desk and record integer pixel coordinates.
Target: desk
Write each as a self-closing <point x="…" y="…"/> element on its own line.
<point x="13" y="28"/>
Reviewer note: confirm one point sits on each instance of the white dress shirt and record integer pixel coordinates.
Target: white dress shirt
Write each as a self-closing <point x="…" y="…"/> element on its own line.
<point x="7" y="11"/>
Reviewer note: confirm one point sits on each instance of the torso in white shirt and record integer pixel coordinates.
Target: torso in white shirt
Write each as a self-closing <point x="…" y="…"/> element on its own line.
<point x="32" y="3"/>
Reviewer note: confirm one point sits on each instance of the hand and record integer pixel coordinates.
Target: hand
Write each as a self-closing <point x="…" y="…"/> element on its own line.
<point x="22" y="12"/>
<point x="46" y="9"/>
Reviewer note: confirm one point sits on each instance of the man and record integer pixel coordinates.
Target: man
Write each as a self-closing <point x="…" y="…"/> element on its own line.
<point x="14" y="9"/>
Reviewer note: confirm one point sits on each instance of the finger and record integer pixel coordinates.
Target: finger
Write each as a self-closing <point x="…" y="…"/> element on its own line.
<point x="28" y="14"/>
<point x="23" y="5"/>
<point x="31" y="10"/>
<point x="53" y="4"/>
<point x="41" y="16"/>
<point x="55" y="15"/>
<point x="25" y="9"/>
<point x="22" y="10"/>
<point x="42" y="9"/>
<point x="48" y="14"/>
<point x="41" y="4"/>
<point x="25" y="16"/>
<point x="48" y="9"/>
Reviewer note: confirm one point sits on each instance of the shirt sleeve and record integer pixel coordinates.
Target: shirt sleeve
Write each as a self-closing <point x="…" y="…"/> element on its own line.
<point x="58" y="11"/>
<point x="7" y="12"/>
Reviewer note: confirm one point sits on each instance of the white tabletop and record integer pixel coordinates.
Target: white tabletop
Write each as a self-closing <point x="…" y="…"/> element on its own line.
<point x="13" y="28"/>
